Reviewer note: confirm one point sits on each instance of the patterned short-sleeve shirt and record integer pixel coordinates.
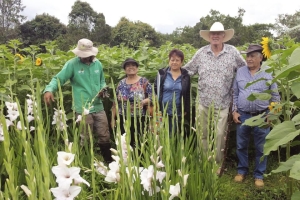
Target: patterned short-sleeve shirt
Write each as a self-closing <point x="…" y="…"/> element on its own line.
<point x="216" y="74"/>
<point x="129" y="92"/>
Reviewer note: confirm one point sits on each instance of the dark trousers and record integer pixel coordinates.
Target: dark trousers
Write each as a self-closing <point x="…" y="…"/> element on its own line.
<point x="140" y="125"/>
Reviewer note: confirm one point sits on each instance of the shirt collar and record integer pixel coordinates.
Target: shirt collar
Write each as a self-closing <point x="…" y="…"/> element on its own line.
<point x="224" y="50"/>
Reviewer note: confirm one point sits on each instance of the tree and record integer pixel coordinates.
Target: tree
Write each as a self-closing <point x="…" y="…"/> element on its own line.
<point x="10" y="19"/>
<point x="285" y="24"/>
<point x="42" y="28"/>
<point x="84" y="22"/>
<point x="133" y="33"/>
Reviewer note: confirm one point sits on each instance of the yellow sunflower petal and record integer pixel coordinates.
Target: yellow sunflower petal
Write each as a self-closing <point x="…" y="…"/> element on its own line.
<point x="38" y="62"/>
<point x="266" y="47"/>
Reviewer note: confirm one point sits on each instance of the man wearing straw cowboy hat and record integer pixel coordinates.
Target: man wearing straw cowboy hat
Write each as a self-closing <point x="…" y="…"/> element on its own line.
<point x="85" y="73"/>
<point x="216" y="64"/>
<point x="244" y="109"/>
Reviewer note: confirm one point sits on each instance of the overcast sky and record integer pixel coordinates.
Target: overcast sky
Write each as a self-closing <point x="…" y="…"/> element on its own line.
<point x="166" y="15"/>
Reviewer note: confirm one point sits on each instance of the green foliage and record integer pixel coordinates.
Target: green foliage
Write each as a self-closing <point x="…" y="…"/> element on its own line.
<point x="133" y="33"/>
<point x="284" y="119"/>
<point x="42" y="28"/>
<point x="285" y="24"/>
<point x="11" y="18"/>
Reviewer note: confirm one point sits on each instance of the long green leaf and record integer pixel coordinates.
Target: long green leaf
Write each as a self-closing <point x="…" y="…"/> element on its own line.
<point x="287" y="165"/>
<point x="295" y="171"/>
<point x="295" y="89"/>
<point x="259" y="96"/>
<point x="280" y="135"/>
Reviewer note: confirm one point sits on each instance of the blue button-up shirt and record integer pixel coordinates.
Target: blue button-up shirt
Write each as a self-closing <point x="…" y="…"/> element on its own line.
<point x="172" y="86"/>
<point x="240" y="93"/>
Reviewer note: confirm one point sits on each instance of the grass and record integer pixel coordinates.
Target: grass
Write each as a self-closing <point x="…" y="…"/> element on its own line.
<point x="274" y="184"/>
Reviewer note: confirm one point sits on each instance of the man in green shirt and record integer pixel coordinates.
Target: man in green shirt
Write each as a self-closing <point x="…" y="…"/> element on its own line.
<point x="85" y="73"/>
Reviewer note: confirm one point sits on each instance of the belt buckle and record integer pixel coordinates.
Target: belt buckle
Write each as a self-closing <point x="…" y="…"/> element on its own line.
<point x="254" y="113"/>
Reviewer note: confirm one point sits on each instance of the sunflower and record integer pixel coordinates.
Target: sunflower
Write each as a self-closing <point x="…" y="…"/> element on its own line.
<point x="19" y="57"/>
<point x="38" y="62"/>
<point x="266" y="47"/>
<point x="275" y="108"/>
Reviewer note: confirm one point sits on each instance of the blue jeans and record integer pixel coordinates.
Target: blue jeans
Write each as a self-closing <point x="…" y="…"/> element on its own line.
<point x="242" y="139"/>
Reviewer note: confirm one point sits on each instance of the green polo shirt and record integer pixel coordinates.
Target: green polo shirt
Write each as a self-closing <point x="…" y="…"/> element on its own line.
<point x="86" y="81"/>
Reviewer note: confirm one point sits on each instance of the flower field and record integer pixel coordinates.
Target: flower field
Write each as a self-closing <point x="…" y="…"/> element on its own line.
<point x="40" y="152"/>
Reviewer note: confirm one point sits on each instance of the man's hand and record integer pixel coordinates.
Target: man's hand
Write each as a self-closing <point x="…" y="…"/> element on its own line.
<point x="236" y="116"/>
<point x="48" y="98"/>
<point x="103" y="93"/>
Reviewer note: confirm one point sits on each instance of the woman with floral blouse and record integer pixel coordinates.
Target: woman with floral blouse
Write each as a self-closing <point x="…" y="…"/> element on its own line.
<point x="133" y="93"/>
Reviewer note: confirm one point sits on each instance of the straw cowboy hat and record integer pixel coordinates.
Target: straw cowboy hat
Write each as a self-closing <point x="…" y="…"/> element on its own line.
<point x="217" y="27"/>
<point x="85" y="48"/>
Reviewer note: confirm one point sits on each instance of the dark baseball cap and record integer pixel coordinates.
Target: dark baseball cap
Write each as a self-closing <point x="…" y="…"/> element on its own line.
<point x="129" y="60"/>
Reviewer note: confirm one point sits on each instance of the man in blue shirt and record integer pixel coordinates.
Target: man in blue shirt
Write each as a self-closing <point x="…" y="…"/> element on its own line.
<point x="244" y="109"/>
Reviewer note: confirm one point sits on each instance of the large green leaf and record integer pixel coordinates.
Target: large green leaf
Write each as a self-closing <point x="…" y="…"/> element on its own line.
<point x="24" y="87"/>
<point x="252" y="82"/>
<point x="295" y="171"/>
<point x="255" y="121"/>
<point x="296" y="195"/>
<point x="294" y="59"/>
<point x="295" y="89"/>
<point x="280" y="135"/>
<point x="259" y="96"/>
<point x="296" y="118"/>
<point x="294" y="64"/>
<point x="287" y="165"/>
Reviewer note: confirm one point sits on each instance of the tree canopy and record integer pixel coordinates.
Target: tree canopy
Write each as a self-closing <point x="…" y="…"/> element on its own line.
<point x="10" y="19"/>
<point x="85" y="22"/>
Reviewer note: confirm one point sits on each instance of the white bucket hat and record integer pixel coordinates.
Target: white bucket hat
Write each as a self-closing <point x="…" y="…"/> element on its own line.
<point x="216" y="27"/>
<point x="85" y="48"/>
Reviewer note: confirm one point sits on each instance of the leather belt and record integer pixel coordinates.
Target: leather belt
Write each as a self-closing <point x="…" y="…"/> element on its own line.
<point x="256" y="113"/>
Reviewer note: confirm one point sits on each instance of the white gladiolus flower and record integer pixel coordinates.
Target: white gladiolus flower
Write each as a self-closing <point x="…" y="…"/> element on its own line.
<point x="116" y="158"/>
<point x="79" y="179"/>
<point x="159" y="150"/>
<point x="115" y="152"/>
<point x="70" y="146"/>
<point x="101" y="168"/>
<point x="26" y="172"/>
<point x="11" y="106"/>
<point x="13" y="115"/>
<point x="183" y="159"/>
<point x="30" y="118"/>
<point x="157" y="164"/>
<point x="29" y="102"/>
<point x="113" y="174"/>
<point x="79" y="118"/>
<point x="26" y="190"/>
<point x="137" y="170"/>
<point x="8" y="123"/>
<point x="30" y="110"/>
<point x="86" y="111"/>
<point x="147" y="175"/>
<point x="174" y="191"/>
<point x="19" y="126"/>
<point x="32" y="128"/>
<point x="179" y="172"/>
<point x="64" y="158"/>
<point x="66" y="194"/>
<point x="185" y="177"/>
<point x="65" y="175"/>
